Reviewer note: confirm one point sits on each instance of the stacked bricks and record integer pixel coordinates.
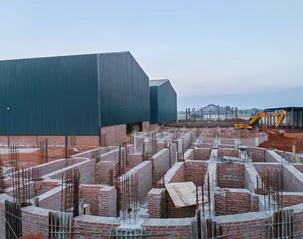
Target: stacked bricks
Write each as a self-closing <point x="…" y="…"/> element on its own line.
<point x="235" y="201"/>
<point x="90" y="195"/>
<point x="230" y="175"/>
<point x="170" y="229"/>
<point x="105" y="171"/>
<point x="248" y="225"/>
<point x="227" y="141"/>
<point x="113" y="135"/>
<point x="202" y="153"/>
<point x="52" y="140"/>
<point x="101" y="198"/>
<point x="156" y="203"/>
<point x="228" y="152"/>
<point x="107" y="198"/>
<point x="257" y="154"/>
<point x="35" y="220"/>
<point x="87" y="227"/>
<point x="195" y="171"/>
<point x="290" y="199"/>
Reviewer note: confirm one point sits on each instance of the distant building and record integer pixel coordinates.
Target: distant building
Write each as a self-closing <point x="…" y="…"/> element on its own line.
<point x="72" y="95"/>
<point x="293" y="119"/>
<point x="163" y="102"/>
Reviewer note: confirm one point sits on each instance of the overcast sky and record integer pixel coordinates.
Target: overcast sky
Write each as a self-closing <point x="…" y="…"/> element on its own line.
<point x="229" y="52"/>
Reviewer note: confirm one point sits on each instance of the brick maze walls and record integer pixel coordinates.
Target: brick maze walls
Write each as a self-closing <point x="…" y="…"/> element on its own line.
<point x="230" y="175"/>
<point x="195" y="171"/>
<point x="89" y="193"/>
<point x="157" y="203"/>
<point x="257" y="154"/>
<point x="228" y="152"/>
<point x="201" y="153"/>
<point x="235" y="201"/>
<point x="173" y="212"/>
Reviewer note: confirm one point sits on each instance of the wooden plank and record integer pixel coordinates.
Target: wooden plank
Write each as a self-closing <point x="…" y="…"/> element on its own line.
<point x="182" y="194"/>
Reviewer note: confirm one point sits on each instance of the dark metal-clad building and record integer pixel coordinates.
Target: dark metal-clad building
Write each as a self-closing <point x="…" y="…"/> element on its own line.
<point x="163" y="102"/>
<point x="71" y="95"/>
<point x="293" y="119"/>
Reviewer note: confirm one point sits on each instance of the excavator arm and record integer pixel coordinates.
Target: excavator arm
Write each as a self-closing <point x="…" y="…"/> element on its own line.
<point x="280" y="117"/>
<point x="254" y="119"/>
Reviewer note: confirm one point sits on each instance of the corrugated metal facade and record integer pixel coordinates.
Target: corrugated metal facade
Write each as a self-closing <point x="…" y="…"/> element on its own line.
<point x="163" y="102"/>
<point x="71" y="95"/>
<point x="121" y="74"/>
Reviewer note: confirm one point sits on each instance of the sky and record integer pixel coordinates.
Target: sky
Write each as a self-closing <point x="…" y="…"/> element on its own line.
<point x="227" y="52"/>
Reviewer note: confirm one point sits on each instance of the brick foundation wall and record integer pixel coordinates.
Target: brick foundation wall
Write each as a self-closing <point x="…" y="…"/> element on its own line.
<point x="144" y="172"/>
<point x="272" y="157"/>
<point x="248" y="225"/>
<point x="228" y="152"/>
<point x="189" y="154"/>
<point x="134" y="159"/>
<point x="161" y="161"/>
<point x="51" y="199"/>
<point x="292" y="179"/>
<point x="169" y="228"/>
<point x="35" y="220"/>
<point x="175" y="173"/>
<point x="113" y="135"/>
<point x="103" y="172"/>
<point x="202" y="153"/>
<point x="264" y="167"/>
<point x="107" y="199"/>
<point x="86" y="169"/>
<point x="299" y="167"/>
<point x="89" y="193"/>
<point x="234" y="202"/>
<point x="52" y="140"/>
<point x="230" y="175"/>
<point x="88" y="227"/>
<point x="195" y="171"/>
<point x="290" y="199"/>
<point x="173" y="212"/>
<point x="156" y="203"/>
<point x="257" y="154"/>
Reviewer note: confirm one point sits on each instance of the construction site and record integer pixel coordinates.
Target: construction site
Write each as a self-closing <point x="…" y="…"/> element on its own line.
<point x="90" y="147"/>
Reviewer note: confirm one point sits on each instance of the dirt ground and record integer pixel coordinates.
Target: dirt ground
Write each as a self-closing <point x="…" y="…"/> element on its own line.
<point x="284" y="141"/>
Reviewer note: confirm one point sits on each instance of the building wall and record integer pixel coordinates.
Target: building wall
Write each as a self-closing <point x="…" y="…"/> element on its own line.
<point x="163" y="103"/>
<point x="168" y="103"/>
<point x="124" y="89"/>
<point x="153" y="93"/>
<point x="72" y="95"/>
<point x="49" y="96"/>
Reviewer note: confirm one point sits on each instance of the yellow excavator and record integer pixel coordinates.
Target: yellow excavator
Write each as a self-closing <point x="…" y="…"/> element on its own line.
<point x="254" y="119"/>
